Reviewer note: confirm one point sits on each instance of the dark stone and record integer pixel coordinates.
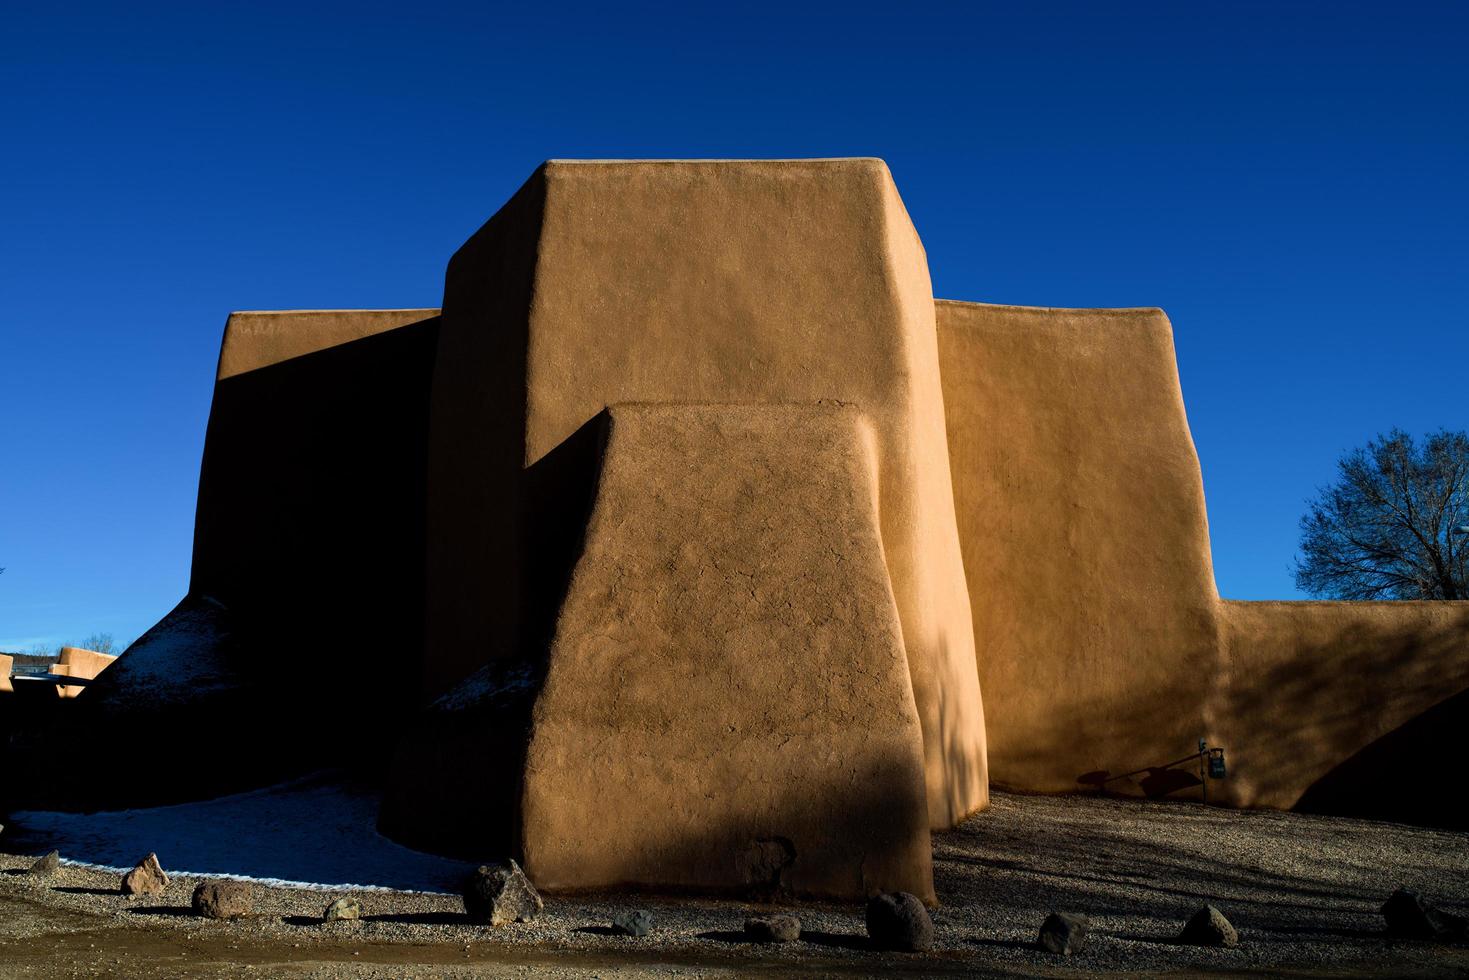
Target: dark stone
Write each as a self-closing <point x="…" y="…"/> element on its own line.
<point x="638" y="922"/>
<point x="342" y="910"/>
<point x="46" y="865"/>
<point x="1209" y="927"/>
<point x="1063" y="934"/>
<point x="223" y="899"/>
<point x="1410" y="916"/>
<point x="898" y="921"/>
<point x="501" y="893"/>
<point x="773" y="929"/>
<point x="146" y="879"/>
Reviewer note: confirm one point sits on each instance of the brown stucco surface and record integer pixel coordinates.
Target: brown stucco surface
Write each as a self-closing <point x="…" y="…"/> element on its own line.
<point x="701" y="281"/>
<point x="728" y="703"/>
<point x="1102" y="645"/>
<point x="1081" y="511"/>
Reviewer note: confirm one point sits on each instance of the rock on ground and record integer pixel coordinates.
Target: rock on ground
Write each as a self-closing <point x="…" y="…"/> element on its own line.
<point x="1410" y="915"/>
<point x="1063" y="934"/>
<point x="500" y="894"/>
<point x="145" y="879"/>
<point x="898" y="921"/>
<point x="223" y="899"/>
<point x="638" y="923"/>
<point x="1209" y="927"/>
<point x="46" y="865"/>
<point x="773" y="929"/>
<point x="342" y="910"/>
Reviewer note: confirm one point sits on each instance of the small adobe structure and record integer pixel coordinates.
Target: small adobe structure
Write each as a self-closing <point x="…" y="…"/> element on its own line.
<point x="693" y="544"/>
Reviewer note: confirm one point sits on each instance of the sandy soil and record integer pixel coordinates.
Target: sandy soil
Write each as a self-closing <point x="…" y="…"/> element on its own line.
<point x="1304" y="892"/>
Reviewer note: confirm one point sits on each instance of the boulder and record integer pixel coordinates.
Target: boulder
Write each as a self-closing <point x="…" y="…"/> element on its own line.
<point x="1411" y="916"/>
<point x="223" y="899"/>
<point x="638" y="922"/>
<point x="145" y="879"/>
<point x="898" y="921"/>
<point x="46" y="865"/>
<point x="501" y="893"/>
<point x="1063" y="934"/>
<point x="1209" y="927"/>
<point x="342" y="910"/>
<point x="773" y="929"/>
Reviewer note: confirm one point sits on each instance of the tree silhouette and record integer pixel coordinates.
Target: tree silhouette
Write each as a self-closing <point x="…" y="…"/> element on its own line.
<point x="1393" y="525"/>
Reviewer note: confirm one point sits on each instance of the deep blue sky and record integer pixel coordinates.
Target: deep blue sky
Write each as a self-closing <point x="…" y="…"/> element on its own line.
<point x="1286" y="180"/>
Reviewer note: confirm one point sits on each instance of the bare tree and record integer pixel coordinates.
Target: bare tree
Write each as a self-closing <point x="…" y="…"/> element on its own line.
<point x="1393" y="525"/>
<point x="101" y="642"/>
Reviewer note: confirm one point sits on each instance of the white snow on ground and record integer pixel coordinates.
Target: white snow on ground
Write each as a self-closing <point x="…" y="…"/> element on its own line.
<point x="318" y="832"/>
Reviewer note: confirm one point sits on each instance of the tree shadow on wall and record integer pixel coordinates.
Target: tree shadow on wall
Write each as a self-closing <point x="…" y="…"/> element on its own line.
<point x="1366" y="718"/>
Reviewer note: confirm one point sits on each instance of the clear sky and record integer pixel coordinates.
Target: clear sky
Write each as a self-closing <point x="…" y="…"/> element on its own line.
<point x="1287" y="180"/>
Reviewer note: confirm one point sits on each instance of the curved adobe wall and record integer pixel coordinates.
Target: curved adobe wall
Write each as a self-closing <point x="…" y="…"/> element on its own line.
<point x="692" y="281"/>
<point x="1081" y="512"/>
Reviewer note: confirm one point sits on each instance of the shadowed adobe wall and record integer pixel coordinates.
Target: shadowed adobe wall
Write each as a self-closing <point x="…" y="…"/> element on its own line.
<point x="306" y="593"/>
<point x="728" y="703"/>
<point x="1345" y="707"/>
<point x="696" y="281"/>
<point x="1081" y="512"/>
<point x="309" y="525"/>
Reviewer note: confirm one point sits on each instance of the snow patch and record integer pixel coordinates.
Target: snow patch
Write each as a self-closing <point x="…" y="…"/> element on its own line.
<point x="318" y="832"/>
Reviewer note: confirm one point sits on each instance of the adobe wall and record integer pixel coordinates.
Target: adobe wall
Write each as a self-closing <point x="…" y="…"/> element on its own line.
<point x="1081" y="512"/>
<point x="728" y="703"/>
<point x="1102" y="646"/>
<point x="1344" y="707"/>
<point x="703" y="281"/>
<point x="77" y="662"/>
<point x="7" y="662"/>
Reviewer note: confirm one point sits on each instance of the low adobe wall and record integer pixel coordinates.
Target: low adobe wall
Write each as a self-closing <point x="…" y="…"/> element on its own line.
<point x="1344" y="707"/>
<point x="82" y="663"/>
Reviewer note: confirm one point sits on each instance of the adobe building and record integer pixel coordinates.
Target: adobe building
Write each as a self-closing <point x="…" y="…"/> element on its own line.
<point x="693" y="544"/>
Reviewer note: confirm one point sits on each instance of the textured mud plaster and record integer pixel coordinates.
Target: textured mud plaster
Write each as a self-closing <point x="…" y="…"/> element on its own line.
<point x="1081" y="512"/>
<point x="704" y="281"/>
<point x="727" y="703"/>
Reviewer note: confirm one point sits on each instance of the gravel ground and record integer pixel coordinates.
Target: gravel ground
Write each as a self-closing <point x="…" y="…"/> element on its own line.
<point x="1302" y="890"/>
